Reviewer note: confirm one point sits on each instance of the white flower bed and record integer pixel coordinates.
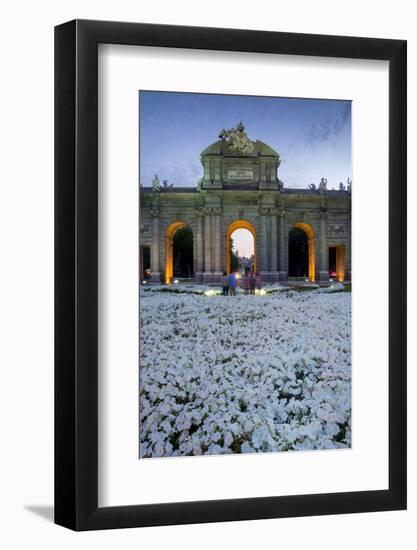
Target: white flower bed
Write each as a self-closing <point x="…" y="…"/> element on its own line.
<point x="245" y="373"/>
<point x="211" y="290"/>
<point x="334" y="287"/>
<point x="180" y="289"/>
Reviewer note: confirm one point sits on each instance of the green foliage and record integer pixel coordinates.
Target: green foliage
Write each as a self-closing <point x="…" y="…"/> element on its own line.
<point x="234" y="260"/>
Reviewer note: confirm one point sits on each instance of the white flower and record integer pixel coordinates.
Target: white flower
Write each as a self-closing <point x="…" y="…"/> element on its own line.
<point x="216" y="437"/>
<point x="215" y="449"/>
<point x="228" y="439"/>
<point x="246" y="448"/>
<point x="248" y="425"/>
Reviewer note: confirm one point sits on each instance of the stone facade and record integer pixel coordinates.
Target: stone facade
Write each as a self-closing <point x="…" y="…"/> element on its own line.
<point x="240" y="188"/>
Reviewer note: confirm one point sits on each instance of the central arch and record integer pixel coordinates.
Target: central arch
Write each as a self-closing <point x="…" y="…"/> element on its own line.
<point x="239" y="224"/>
<point x="169" y="248"/>
<point x="309" y="231"/>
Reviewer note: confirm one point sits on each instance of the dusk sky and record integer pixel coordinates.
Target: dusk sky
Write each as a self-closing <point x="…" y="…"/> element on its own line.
<point x="312" y="136"/>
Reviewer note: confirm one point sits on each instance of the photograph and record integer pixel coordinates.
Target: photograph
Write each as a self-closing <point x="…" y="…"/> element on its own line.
<point x="245" y="274"/>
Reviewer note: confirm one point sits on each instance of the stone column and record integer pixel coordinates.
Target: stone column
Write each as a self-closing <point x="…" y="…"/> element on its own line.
<point x="217" y="275"/>
<point x="207" y="173"/>
<point x="283" y="248"/>
<point x="207" y="275"/>
<point x="274" y="276"/>
<point x="324" y="250"/>
<point x="200" y="248"/>
<point x="217" y="183"/>
<point x="155" y="252"/>
<point x="348" y="252"/>
<point x="264" y="267"/>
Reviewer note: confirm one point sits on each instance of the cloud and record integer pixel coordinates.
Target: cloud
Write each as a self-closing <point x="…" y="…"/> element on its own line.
<point x="328" y="128"/>
<point x="185" y="173"/>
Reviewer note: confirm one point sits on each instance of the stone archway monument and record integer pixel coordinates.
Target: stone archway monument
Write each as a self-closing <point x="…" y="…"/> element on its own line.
<point x="240" y="185"/>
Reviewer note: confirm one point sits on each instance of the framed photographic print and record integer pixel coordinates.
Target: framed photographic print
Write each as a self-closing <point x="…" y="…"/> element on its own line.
<point x="230" y="275"/>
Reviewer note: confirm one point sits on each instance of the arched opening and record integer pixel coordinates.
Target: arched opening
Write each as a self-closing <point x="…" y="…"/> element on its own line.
<point x="240" y="246"/>
<point x="337" y="262"/>
<point x="301" y="252"/>
<point x="178" y="252"/>
<point x="145" y="263"/>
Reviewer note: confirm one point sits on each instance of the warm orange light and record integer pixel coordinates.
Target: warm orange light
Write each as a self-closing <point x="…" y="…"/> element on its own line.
<point x="311" y="249"/>
<point x="340" y="262"/>
<point x="169" y="250"/>
<point x="239" y="224"/>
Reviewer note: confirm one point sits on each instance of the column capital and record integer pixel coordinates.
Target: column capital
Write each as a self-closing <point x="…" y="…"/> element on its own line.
<point x="264" y="211"/>
<point x="212" y="210"/>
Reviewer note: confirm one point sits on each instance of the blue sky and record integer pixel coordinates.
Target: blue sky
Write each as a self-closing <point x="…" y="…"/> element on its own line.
<point x="312" y="136"/>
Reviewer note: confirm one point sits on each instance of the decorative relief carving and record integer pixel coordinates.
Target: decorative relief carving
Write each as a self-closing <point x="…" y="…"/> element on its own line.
<point x="144" y="228"/>
<point x="337" y="228"/>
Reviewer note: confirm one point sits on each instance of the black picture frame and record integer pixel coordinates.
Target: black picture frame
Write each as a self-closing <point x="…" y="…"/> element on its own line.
<point x="76" y="272"/>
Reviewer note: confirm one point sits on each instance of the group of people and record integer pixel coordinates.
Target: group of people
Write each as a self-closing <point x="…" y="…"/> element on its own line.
<point x="251" y="281"/>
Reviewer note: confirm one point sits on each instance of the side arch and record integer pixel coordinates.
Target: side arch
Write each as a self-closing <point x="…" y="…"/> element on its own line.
<point x="309" y="231"/>
<point x="337" y="260"/>
<point x="239" y="224"/>
<point x="169" y="249"/>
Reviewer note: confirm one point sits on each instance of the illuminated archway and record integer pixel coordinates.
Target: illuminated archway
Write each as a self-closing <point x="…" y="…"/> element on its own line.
<point x="169" y="249"/>
<point x="337" y="261"/>
<point x="239" y="224"/>
<point x="309" y="231"/>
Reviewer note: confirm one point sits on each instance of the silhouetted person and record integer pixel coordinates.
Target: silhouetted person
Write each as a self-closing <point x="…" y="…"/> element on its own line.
<point x="252" y="282"/>
<point x="258" y="281"/>
<point x="232" y="284"/>
<point x="225" y="284"/>
<point x="246" y="283"/>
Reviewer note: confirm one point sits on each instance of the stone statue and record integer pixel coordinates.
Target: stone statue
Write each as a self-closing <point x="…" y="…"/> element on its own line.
<point x="156" y="184"/>
<point x="323" y="184"/>
<point x="237" y="140"/>
<point x="341" y="187"/>
<point x="349" y="184"/>
<point x="166" y="185"/>
<point x="312" y="186"/>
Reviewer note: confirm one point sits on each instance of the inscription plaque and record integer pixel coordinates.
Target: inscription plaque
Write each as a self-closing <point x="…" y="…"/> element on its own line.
<point x="240" y="173"/>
